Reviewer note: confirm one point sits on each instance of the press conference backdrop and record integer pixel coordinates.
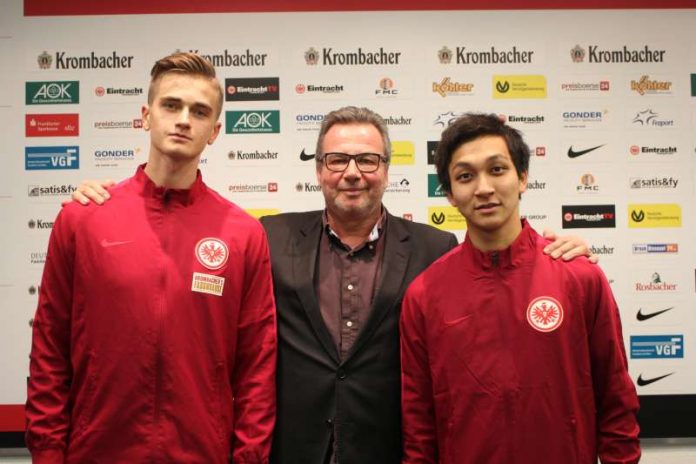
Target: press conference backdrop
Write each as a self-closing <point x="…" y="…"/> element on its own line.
<point x="606" y="100"/>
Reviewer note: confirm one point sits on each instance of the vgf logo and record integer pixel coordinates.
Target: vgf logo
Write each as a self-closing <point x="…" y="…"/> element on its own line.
<point x="42" y="158"/>
<point x="657" y="346"/>
<point x="253" y="122"/>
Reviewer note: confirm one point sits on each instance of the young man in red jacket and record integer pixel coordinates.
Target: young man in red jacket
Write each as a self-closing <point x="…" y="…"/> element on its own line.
<point x="155" y="339"/>
<point x="509" y="356"/>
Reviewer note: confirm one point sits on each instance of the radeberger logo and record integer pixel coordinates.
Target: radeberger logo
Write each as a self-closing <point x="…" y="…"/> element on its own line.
<point x="252" y="122"/>
<point x="52" y="92"/>
<point x="654" y="215"/>
<point x="446" y="218"/>
<point x="403" y="152"/>
<point x="519" y="86"/>
<point x="651" y="87"/>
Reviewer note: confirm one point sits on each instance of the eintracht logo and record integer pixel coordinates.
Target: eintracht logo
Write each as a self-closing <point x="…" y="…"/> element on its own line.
<point x="212" y="253"/>
<point x="545" y="314"/>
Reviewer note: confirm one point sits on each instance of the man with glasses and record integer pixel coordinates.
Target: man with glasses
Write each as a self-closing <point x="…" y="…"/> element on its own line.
<point x="339" y="275"/>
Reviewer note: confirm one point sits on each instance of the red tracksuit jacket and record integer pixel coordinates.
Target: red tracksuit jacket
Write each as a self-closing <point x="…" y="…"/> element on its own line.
<point x="154" y="339"/>
<point x="512" y="357"/>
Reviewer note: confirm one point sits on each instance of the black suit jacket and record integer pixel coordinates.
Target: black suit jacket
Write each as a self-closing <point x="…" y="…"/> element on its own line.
<point x="357" y="398"/>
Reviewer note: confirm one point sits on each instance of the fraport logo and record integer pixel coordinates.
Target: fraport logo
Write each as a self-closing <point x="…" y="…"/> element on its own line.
<point x="44" y="158"/>
<point x="657" y="346"/>
<point x="252" y="122"/>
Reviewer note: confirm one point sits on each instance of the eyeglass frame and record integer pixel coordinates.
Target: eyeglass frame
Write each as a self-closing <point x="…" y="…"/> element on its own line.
<point x="354" y="157"/>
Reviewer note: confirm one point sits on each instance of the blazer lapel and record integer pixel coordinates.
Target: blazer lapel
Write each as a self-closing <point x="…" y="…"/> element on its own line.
<point x="392" y="274"/>
<point x="304" y="263"/>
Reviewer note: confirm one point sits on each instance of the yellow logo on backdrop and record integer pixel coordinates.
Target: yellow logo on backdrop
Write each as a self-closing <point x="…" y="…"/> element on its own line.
<point x="446" y="218"/>
<point x="519" y="86"/>
<point x="258" y="212"/>
<point x="403" y="152"/>
<point x="644" y="216"/>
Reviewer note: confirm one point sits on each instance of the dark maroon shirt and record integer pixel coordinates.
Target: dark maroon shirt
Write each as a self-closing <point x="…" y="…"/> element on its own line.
<point x="346" y="282"/>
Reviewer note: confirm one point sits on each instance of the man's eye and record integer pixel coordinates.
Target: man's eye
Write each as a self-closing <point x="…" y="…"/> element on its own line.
<point x="463" y="177"/>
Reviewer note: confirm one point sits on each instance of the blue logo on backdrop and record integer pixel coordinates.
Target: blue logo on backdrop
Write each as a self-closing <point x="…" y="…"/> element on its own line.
<point x="657" y="346"/>
<point x="36" y="158"/>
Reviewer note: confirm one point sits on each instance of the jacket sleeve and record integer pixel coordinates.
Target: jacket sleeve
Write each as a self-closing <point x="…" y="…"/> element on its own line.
<point x="615" y="394"/>
<point x="253" y="379"/>
<point x="50" y="372"/>
<point x="418" y="415"/>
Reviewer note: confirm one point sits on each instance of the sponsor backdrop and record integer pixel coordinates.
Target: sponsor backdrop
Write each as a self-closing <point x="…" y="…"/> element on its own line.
<point x="609" y="114"/>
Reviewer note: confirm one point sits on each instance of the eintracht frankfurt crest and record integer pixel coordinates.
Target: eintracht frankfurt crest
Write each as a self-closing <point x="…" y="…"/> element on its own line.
<point x="212" y="253"/>
<point x="545" y="314"/>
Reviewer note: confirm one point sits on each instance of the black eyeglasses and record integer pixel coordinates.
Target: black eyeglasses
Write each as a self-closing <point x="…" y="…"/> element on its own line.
<point x="366" y="162"/>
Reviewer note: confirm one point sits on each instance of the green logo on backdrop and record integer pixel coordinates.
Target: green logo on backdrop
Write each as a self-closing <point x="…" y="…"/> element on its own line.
<point x="434" y="187"/>
<point x="52" y="92"/>
<point x="252" y="122"/>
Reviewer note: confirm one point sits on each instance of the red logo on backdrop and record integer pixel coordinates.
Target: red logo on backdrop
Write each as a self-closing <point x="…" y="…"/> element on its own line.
<point x="300" y="88"/>
<point x="272" y="186"/>
<point x="99" y="91"/>
<point x="137" y="123"/>
<point x="603" y="86"/>
<point x="52" y="125"/>
<point x="540" y="151"/>
<point x="635" y="149"/>
<point x="408" y="216"/>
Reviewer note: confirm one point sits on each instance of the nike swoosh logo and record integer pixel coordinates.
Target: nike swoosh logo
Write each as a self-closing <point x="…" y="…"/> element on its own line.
<point x="643" y="382"/>
<point x="107" y="244"/>
<point x="305" y="157"/>
<point x="644" y="317"/>
<point x="574" y="154"/>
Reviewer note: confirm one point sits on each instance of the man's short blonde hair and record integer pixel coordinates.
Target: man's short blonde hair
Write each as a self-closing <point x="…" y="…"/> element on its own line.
<point x="184" y="63"/>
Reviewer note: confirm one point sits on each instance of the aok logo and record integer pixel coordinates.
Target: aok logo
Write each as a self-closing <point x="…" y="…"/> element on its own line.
<point x="52" y="92"/>
<point x="252" y="122"/>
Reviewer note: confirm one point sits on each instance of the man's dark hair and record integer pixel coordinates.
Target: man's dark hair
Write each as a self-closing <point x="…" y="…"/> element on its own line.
<point x="469" y="127"/>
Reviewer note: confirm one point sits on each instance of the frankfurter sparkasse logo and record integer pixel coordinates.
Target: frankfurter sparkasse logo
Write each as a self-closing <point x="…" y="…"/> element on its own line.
<point x="252" y="89"/>
<point x="625" y="54"/>
<point x="45" y="158"/>
<point x="52" y="92"/>
<point x="359" y="57"/>
<point x="252" y="122"/>
<point x="52" y="125"/>
<point x="657" y="346"/>
<point x="519" y="86"/>
<point x="654" y="215"/>
<point x="588" y="216"/>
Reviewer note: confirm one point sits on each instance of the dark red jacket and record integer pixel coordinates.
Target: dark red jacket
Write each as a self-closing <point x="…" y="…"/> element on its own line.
<point x="152" y="341"/>
<point x="512" y="357"/>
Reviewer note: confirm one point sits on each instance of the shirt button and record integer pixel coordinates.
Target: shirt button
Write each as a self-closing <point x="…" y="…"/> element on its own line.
<point x="329" y="423"/>
<point x="349" y="324"/>
<point x="341" y="374"/>
<point x="350" y="287"/>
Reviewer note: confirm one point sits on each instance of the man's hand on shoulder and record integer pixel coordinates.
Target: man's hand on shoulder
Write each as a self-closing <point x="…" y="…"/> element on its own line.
<point x="567" y="247"/>
<point x="92" y="191"/>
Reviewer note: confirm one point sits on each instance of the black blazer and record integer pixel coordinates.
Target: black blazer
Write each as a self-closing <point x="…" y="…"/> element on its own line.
<point x="357" y="398"/>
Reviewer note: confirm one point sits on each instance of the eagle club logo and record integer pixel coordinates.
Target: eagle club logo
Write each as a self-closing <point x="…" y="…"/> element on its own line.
<point x="545" y="314"/>
<point x="212" y="253"/>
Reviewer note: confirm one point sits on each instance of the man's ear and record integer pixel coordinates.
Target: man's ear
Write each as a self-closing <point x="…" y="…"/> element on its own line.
<point x="145" y="113"/>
